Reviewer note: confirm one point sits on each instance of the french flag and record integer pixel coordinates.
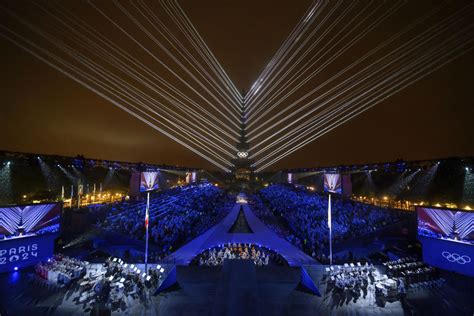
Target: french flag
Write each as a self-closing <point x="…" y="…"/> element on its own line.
<point x="146" y="219"/>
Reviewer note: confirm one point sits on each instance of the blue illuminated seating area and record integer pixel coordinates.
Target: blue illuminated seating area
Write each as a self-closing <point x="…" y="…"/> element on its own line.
<point x="306" y="215"/>
<point x="176" y="215"/>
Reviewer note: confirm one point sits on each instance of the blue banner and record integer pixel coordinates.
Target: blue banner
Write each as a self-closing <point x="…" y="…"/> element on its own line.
<point x="18" y="252"/>
<point x="448" y="255"/>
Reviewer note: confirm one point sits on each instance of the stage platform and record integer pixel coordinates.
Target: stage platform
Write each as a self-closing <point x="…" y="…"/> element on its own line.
<point x="276" y="291"/>
<point x="261" y="235"/>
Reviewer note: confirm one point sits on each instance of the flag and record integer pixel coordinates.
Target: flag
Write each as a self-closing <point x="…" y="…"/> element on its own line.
<point x="329" y="212"/>
<point x="146" y="211"/>
<point x="146" y="218"/>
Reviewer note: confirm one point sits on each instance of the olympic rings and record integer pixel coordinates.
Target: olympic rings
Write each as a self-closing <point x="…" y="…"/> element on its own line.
<point x="454" y="257"/>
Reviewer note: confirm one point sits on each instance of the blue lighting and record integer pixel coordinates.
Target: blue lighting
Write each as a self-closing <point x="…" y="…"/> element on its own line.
<point x="15" y="268"/>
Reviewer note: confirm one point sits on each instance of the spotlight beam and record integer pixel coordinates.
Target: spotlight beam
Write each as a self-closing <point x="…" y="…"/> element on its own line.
<point x="117" y="103"/>
<point x="310" y="63"/>
<point x="180" y="15"/>
<point x="354" y="80"/>
<point x="184" y="52"/>
<point x="349" y="102"/>
<point x="263" y="92"/>
<point x="254" y="105"/>
<point x="163" y="48"/>
<point x="342" y="72"/>
<point x="426" y="70"/>
<point x="304" y="135"/>
<point x="184" y="93"/>
<point x="122" y="87"/>
<point x="226" y="117"/>
<point x="313" y="12"/>
<point x="130" y="60"/>
<point x="87" y="44"/>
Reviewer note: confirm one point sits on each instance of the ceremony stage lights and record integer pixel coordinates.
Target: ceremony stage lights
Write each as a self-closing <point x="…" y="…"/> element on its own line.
<point x="178" y="87"/>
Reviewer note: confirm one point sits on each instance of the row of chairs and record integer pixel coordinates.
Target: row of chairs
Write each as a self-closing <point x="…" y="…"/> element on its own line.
<point x="431" y="284"/>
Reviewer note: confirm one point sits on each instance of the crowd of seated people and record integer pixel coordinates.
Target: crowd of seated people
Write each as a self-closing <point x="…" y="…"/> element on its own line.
<point x="267" y="216"/>
<point x="306" y="215"/>
<point x="175" y="216"/>
<point x="61" y="270"/>
<point x="260" y="255"/>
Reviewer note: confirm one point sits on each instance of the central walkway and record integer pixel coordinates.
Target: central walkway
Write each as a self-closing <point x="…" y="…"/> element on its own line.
<point x="259" y="235"/>
<point x="241" y="225"/>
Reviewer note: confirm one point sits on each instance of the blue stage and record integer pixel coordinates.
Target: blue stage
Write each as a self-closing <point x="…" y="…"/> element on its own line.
<point x="261" y="236"/>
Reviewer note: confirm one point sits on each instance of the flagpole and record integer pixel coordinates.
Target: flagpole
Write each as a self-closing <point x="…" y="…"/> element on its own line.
<point x="72" y="193"/>
<point x="330" y="230"/>
<point x="146" y="233"/>
<point x="79" y="195"/>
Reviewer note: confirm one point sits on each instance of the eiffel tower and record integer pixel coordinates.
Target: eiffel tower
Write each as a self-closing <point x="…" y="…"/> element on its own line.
<point x="242" y="164"/>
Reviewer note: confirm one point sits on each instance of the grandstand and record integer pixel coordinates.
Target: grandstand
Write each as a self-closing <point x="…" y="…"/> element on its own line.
<point x="306" y="213"/>
<point x="176" y="216"/>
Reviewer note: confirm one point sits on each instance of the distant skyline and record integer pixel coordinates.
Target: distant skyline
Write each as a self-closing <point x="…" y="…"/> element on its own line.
<point x="44" y="112"/>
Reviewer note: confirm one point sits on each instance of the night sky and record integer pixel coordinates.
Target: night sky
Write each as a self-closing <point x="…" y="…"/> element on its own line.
<point x="43" y="111"/>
